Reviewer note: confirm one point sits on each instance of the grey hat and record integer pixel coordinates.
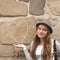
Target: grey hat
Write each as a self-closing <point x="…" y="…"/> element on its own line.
<point x="45" y="22"/>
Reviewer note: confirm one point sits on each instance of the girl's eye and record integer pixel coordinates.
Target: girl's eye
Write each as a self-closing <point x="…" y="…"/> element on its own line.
<point x="42" y="29"/>
<point x="39" y="28"/>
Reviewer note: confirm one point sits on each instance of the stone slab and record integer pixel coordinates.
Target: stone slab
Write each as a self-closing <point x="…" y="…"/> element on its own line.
<point x="36" y="7"/>
<point x="6" y="50"/>
<point x="6" y="58"/>
<point x="54" y="6"/>
<point x="56" y="32"/>
<point x="12" y="8"/>
<point x="12" y="58"/>
<point x="21" y="30"/>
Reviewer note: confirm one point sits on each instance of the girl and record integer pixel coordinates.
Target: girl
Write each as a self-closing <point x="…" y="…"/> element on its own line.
<point x="42" y="46"/>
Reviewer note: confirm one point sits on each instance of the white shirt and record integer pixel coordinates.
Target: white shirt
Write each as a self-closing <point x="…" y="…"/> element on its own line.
<point x="39" y="51"/>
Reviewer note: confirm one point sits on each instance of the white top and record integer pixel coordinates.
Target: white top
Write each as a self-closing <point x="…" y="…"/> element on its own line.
<point x="39" y="51"/>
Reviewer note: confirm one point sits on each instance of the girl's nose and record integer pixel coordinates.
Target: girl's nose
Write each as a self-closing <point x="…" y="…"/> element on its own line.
<point x="41" y="30"/>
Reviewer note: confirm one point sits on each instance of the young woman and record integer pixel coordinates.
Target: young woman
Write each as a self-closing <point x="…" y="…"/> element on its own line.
<point x="42" y="45"/>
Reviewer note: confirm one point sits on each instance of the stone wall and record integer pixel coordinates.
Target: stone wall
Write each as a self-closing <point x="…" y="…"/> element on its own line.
<point x="17" y="24"/>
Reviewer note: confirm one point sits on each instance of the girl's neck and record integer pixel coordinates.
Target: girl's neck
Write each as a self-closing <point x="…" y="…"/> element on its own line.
<point x="41" y="41"/>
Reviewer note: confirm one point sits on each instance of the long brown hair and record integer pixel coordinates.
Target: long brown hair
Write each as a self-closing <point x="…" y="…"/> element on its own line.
<point x="46" y="49"/>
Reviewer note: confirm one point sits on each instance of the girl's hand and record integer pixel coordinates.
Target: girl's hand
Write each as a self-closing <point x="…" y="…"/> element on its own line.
<point x="20" y="46"/>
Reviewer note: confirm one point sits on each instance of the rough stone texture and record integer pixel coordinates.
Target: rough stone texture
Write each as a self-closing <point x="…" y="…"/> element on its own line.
<point x="36" y="7"/>
<point x="3" y="31"/>
<point x="12" y="8"/>
<point x="23" y="0"/>
<point x="55" y="26"/>
<point x="21" y="30"/>
<point x="20" y="58"/>
<point x="6" y="50"/>
<point x="12" y="58"/>
<point x="6" y="58"/>
<point x="54" y="6"/>
<point x="54" y="22"/>
<point x="56" y="32"/>
<point x="9" y="52"/>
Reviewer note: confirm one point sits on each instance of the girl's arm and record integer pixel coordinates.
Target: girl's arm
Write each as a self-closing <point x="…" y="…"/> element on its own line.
<point x="27" y="54"/>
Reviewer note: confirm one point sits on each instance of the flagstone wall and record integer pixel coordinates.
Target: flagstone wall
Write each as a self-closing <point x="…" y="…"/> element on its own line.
<point x="17" y="24"/>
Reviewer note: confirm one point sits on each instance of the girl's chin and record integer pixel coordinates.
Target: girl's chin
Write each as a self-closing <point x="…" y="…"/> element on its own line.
<point x="41" y="36"/>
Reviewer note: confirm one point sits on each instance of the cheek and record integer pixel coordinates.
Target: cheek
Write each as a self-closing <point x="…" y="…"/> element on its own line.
<point x="45" y="33"/>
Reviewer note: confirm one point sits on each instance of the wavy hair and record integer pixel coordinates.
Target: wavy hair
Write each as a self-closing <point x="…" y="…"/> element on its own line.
<point x="46" y="48"/>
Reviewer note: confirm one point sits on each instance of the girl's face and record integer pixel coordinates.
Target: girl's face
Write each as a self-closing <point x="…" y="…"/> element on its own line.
<point x="42" y="31"/>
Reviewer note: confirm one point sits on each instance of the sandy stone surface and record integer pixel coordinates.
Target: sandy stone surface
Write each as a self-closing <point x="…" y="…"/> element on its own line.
<point x="54" y="6"/>
<point x="12" y="8"/>
<point x="20" y="30"/>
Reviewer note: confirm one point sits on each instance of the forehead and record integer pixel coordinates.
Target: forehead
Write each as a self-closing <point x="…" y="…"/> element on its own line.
<point x="42" y="26"/>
